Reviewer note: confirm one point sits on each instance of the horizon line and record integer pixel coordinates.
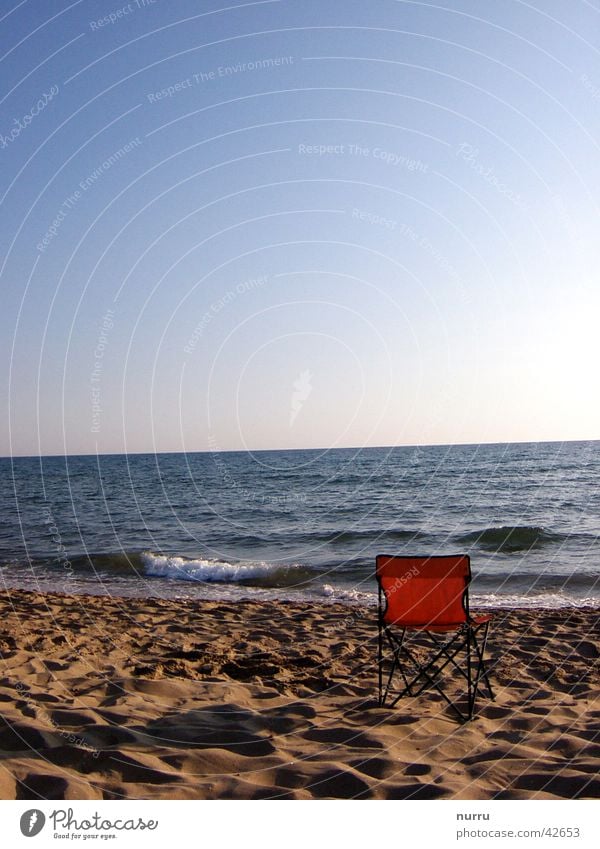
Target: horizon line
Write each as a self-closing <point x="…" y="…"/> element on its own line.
<point x="271" y="450"/>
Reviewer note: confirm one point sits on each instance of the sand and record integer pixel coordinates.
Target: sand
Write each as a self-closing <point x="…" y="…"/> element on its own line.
<point x="126" y="698"/>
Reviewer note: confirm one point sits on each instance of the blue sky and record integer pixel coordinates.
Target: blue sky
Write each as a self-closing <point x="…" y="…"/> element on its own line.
<point x="298" y="224"/>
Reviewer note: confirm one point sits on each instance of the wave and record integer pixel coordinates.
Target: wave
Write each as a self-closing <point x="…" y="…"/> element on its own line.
<point x="151" y="565"/>
<point x="221" y="579"/>
<point x="207" y="570"/>
<point x="119" y="563"/>
<point x="511" y="538"/>
<point x="557" y="600"/>
<point x="349" y="536"/>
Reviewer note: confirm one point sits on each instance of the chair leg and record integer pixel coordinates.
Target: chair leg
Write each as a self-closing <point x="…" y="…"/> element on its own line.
<point x="481" y="670"/>
<point x="400" y="665"/>
<point x="395" y="648"/>
<point x="427" y="671"/>
<point x="389" y="683"/>
<point x="425" y="675"/>
<point x="380" y="659"/>
<point x="470" y="688"/>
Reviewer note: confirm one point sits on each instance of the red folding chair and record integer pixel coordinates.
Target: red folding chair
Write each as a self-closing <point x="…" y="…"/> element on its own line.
<point x="424" y="606"/>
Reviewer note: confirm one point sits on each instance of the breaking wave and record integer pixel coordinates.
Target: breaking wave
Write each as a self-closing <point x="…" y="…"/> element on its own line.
<point x="206" y="570"/>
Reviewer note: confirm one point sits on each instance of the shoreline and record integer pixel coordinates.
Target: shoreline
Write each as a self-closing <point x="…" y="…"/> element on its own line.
<point x="119" y="697"/>
<point x="352" y="596"/>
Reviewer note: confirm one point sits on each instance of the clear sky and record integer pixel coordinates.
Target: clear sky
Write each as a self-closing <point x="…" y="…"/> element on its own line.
<point x="293" y="224"/>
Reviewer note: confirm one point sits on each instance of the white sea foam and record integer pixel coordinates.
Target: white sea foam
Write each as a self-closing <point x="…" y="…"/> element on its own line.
<point x="539" y="601"/>
<point x="550" y="601"/>
<point x="201" y="569"/>
<point x="348" y="596"/>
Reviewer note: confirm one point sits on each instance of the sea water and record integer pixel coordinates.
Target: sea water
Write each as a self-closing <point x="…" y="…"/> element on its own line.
<point x="305" y="525"/>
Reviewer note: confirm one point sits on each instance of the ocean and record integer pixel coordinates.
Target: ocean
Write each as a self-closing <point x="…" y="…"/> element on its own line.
<point x="305" y="525"/>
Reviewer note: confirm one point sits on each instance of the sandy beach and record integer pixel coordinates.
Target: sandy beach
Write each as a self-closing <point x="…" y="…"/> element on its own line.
<point x="127" y="698"/>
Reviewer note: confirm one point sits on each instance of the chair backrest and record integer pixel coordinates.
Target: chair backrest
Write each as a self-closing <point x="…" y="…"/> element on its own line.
<point x="424" y="591"/>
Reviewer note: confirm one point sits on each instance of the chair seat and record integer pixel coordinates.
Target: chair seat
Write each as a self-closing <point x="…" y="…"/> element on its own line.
<point x="442" y="627"/>
<point x="480" y="620"/>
